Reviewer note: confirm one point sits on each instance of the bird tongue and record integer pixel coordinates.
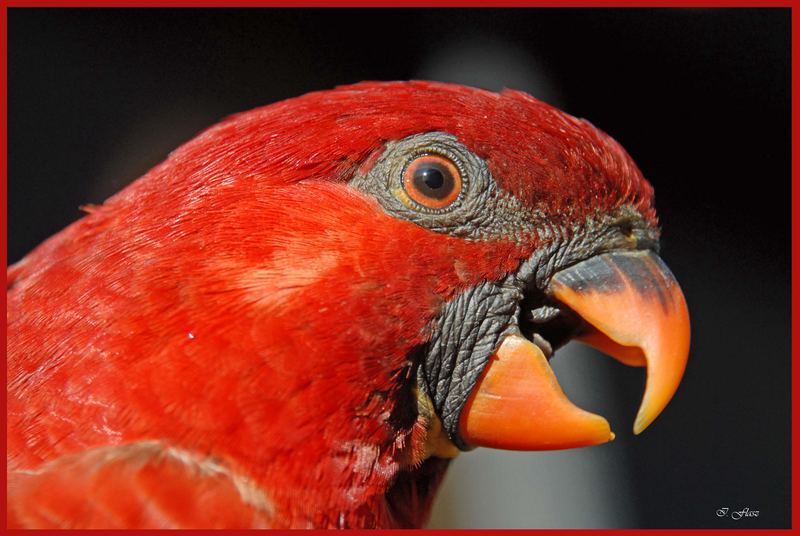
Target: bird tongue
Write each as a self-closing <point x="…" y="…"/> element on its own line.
<point x="636" y="313"/>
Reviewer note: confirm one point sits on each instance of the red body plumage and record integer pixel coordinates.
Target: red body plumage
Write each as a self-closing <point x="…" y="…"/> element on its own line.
<point x="242" y="304"/>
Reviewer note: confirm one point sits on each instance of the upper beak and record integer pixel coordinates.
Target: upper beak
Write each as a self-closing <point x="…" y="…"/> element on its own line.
<point x="634" y="311"/>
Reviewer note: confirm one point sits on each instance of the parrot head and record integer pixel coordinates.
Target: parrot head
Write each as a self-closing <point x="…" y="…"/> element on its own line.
<point x="337" y="293"/>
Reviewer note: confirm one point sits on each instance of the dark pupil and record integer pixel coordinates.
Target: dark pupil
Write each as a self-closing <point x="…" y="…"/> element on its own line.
<point x="433" y="181"/>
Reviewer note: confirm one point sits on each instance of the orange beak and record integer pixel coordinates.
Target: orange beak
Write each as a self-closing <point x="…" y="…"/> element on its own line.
<point x="634" y="311"/>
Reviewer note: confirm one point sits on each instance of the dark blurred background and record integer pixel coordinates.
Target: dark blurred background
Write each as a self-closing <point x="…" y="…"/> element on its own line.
<point x="699" y="97"/>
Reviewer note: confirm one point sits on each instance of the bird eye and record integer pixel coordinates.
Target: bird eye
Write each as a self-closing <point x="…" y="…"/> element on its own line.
<point x="432" y="181"/>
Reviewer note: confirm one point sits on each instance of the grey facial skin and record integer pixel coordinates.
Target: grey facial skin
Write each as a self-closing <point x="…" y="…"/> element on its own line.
<point x="481" y="212"/>
<point x="469" y="329"/>
<point x="472" y="325"/>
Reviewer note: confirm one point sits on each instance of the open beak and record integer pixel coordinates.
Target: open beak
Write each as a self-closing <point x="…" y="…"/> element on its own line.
<point x="634" y="311"/>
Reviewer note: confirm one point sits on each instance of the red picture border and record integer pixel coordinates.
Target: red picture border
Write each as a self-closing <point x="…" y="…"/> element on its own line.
<point x="794" y="5"/>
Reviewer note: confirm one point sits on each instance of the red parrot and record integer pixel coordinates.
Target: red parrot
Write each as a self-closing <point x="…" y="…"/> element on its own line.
<point x="300" y="316"/>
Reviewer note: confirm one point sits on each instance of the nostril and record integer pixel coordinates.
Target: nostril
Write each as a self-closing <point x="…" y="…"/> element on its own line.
<point x="626" y="229"/>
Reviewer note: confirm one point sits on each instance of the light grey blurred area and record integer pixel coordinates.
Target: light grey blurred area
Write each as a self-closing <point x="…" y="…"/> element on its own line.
<point x="491" y="64"/>
<point x="579" y="488"/>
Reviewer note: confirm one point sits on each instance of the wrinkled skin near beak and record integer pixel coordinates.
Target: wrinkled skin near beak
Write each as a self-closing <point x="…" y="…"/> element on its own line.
<point x="633" y="310"/>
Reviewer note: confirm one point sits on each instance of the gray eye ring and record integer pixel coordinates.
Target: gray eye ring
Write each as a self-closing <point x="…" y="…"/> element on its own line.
<point x="480" y="211"/>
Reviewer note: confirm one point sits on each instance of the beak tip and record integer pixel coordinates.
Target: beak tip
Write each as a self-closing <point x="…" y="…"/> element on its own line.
<point x="650" y="323"/>
<point x="640" y="424"/>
